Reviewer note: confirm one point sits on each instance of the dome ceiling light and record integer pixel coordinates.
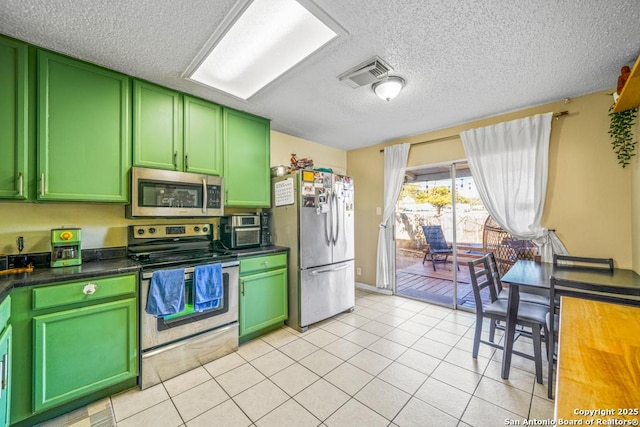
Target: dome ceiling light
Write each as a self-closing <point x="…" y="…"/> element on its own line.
<point x="388" y="88"/>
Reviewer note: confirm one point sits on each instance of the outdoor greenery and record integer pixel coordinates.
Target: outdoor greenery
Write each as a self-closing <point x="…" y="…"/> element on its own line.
<point x="438" y="197"/>
<point x="620" y="130"/>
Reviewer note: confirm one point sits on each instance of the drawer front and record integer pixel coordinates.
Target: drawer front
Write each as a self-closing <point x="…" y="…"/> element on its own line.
<point x="261" y="263"/>
<point x="84" y="291"/>
<point x="5" y="312"/>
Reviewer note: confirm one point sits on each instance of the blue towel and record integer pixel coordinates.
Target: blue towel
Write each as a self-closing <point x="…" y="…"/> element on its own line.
<point x="166" y="292"/>
<point x="208" y="290"/>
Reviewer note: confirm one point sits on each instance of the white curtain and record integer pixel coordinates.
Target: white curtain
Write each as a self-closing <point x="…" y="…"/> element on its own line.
<point x="395" y="165"/>
<point x="509" y="163"/>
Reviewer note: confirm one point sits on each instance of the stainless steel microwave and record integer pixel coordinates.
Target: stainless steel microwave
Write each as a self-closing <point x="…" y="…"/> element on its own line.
<point x="170" y="194"/>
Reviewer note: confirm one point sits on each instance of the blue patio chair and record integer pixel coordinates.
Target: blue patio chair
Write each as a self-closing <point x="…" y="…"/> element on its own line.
<point x="439" y="250"/>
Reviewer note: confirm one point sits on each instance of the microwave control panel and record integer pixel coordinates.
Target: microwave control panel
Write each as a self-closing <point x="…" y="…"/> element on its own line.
<point x="214" y="196"/>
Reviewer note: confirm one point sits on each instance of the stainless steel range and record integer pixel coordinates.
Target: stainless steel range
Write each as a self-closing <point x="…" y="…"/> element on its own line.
<point x="173" y="344"/>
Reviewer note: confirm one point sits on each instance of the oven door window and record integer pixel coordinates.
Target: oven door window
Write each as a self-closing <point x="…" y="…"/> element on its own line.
<point x="155" y="194"/>
<point x="189" y="315"/>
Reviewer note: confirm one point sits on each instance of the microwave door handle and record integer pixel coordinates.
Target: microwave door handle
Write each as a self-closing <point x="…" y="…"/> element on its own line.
<point x="204" y="195"/>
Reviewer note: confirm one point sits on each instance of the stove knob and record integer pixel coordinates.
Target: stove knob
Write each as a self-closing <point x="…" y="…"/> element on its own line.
<point x="141" y="231"/>
<point x="205" y="229"/>
<point x="196" y="228"/>
<point x="152" y="230"/>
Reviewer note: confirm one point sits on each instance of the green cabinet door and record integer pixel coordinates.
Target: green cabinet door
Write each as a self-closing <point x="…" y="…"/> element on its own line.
<point x="157" y="131"/>
<point x="246" y="160"/>
<point x="84" y="133"/>
<point x="83" y="350"/>
<point x="263" y="300"/>
<point x="5" y="376"/>
<point x="13" y="119"/>
<point x="202" y="137"/>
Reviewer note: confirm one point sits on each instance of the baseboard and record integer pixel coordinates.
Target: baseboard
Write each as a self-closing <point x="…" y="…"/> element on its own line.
<point x="370" y="288"/>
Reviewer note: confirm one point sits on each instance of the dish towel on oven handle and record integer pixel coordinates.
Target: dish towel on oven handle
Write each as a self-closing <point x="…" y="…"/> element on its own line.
<point x="166" y="292"/>
<point x="208" y="284"/>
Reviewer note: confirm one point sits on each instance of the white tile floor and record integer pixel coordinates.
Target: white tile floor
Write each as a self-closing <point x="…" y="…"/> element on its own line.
<point x="392" y="362"/>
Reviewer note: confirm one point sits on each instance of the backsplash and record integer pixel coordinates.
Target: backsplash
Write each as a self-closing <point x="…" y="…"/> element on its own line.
<point x="43" y="259"/>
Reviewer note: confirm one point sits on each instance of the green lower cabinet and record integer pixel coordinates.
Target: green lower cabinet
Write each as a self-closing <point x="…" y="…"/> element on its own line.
<point x="5" y="388"/>
<point x="263" y="295"/>
<point x="73" y="343"/>
<point x="83" y="350"/>
<point x="5" y="361"/>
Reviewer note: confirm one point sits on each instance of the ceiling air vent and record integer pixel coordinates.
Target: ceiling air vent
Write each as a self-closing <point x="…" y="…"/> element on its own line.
<point x="366" y="73"/>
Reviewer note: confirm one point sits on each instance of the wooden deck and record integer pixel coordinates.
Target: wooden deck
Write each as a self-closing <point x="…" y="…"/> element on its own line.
<point x="415" y="280"/>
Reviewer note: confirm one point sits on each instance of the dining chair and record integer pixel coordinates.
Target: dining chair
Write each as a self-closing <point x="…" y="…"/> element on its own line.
<point x="553" y="319"/>
<point x="530" y="315"/>
<point x="503" y="293"/>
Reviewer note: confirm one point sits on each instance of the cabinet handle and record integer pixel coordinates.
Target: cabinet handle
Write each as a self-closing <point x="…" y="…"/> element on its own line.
<point x="5" y="370"/>
<point x="90" y="289"/>
<point x="175" y="159"/>
<point x="186" y="162"/>
<point x="42" y="184"/>
<point x="20" y="184"/>
<point x="242" y="287"/>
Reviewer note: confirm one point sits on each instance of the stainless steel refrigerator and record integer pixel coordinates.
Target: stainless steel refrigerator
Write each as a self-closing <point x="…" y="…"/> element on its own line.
<point x="312" y="214"/>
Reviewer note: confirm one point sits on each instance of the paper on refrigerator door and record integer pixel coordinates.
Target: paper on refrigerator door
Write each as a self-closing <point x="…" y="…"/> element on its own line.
<point x="284" y="194"/>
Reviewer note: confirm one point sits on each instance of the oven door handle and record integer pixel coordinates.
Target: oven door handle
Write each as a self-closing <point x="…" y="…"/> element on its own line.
<point x="188" y="271"/>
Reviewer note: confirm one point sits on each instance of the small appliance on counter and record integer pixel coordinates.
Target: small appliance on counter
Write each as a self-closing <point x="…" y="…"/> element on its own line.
<point x="65" y="247"/>
<point x="240" y="231"/>
<point x="265" y="234"/>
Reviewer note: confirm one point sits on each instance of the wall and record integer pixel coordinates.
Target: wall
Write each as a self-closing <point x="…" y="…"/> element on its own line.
<point x="635" y="205"/>
<point x="104" y="225"/>
<point x="283" y="145"/>
<point x="588" y="195"/>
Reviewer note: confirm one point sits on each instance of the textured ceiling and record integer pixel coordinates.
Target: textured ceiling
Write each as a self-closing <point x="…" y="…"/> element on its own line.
<point x="461" y="60"/>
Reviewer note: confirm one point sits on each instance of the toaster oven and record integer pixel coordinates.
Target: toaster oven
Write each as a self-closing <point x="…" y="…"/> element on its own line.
<point x="240" y="231"/>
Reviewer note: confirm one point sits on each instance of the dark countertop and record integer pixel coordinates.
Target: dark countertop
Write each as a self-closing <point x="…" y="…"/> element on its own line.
<point x="47" y="275"/>
<point x="99" y="267"/>
<point x="257" y="251"/>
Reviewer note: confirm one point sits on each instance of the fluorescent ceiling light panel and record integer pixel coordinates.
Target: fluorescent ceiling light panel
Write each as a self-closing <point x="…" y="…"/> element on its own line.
<point x="269" y="38"/>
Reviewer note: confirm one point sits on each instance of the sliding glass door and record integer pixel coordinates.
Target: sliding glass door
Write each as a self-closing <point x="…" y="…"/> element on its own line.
<point x="439" y="224"/>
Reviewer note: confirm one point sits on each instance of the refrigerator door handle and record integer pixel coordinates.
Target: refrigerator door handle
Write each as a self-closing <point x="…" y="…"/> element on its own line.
<point x="329" y="270"/>
<point x="328" y="222"/>
<point x="335" y="211"/>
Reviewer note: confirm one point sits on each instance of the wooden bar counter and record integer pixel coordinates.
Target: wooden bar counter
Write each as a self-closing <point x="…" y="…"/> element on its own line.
<point x="598" y="374"/>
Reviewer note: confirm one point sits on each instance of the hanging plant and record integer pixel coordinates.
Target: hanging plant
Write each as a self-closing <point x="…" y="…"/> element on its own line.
<point x="621" y="131"/>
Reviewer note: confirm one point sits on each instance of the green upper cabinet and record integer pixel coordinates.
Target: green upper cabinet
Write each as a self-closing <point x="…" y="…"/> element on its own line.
<point x="202" y="136"/>
<point x="13" y="119"/>
<point x="175" y="132"/>
<point x="157" y="135"/>
<point x="84" y="132"/>
<point x="246" y="160"/>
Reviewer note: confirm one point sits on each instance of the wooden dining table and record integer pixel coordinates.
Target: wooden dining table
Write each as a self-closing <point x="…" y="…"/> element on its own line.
<point x="598" y="362"/>
<point x="622" y="285"/>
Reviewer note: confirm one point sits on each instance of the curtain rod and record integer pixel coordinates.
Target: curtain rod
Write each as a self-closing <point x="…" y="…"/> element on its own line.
<point x="444" y="138"/>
